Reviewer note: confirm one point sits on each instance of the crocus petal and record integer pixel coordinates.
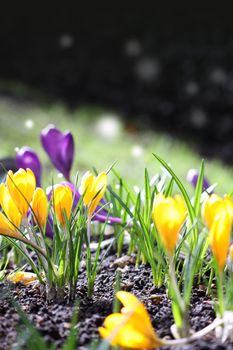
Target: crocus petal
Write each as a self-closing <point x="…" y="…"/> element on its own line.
<point x="132" y="328"/>
<point x="21" y="186"/>
<point x="26" y="157"/>
<point x="63" y="200"/>
<point x="7" y="229"/>
<point x="192" y="177"/>
<point x="59" y="147"/>
<point x="9" y="207"/>
<point x="93" y="188"/>
<point x="109" y="219"/>
<point x="23" y="277"/>
<point x="169" y="215"/>
<point x="219" y="237"/>
<point x="40" y="206"/>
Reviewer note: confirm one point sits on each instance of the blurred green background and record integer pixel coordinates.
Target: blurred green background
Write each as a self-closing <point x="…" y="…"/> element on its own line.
<point x="101" y="138"/>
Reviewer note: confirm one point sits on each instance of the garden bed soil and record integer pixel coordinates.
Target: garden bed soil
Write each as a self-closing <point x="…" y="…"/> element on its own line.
<point x="53" y="319"/>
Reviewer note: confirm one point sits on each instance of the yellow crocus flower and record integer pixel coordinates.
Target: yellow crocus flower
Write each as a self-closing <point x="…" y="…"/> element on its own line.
<point x="23" y="277"/>
<point x="218" y="215"/>
<point x="21" y="186"/>
<point x="93" y="189"/>
<point x="219" y="238"/>
<point x="62" y="197"/>
<point x="132" y="328"/>
<point x="213" y="205"/>
<point x="40" y="206"/>
<point x="10" y="220"/>
<point x="169" y="215"/>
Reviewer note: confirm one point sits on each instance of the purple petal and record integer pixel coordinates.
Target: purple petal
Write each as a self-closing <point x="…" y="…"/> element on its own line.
<point x="26" y="157"/>
<point x="49" y="227"/>
<point x="110" y="219"/>
<point x="59" y="147"/>
<point x="192" y="177"/>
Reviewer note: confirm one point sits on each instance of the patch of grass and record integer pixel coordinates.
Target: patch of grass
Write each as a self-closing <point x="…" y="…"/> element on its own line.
<point x="132" y="151"/>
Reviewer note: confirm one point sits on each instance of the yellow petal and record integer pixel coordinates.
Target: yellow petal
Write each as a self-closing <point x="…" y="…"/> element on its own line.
<point x="132" y="303"/>
<point x="7" y="229"/>
<point x="100" y="185"/>
<point x="40" y="206"/>
<point x="9" y="207"/>
<point x="219" y="238"/>
<point x="210" y="207"/>
<point x="87" y="187"/>
<point x="63" y="201"/>
<point x="21" y="186"/>
<point x="131" y="328"/>
<point x="169" y="215"/>
<point x="23" y="277"/>
<point x="93" y="189"/>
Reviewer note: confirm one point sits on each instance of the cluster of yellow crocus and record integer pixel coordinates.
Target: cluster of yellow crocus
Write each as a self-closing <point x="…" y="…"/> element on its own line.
<point x="20" y="192"/>
<point x="218" y="215"/>
<point x="131" y="328"/>
<point x="169" y="214"/>
<point x="93" y="188"/>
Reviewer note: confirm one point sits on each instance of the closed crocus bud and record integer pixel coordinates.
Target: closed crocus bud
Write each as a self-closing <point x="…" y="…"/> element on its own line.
<point x="62" y="197"/>
<point x="59" y="147"/>
<point x="219" y="237"/>
<point x="40" y="207"/>
<point x="21" y="186"/>
<point x="10" y="220"/>
<point x="217" y="213"/>
<point x="23" y="277"/>
<point x="132" y="328"/>
<point x="169" y="215"/>
<point x="26" y="157"/>
<point x="213" y="205"/>
<point x="93" y="188"/>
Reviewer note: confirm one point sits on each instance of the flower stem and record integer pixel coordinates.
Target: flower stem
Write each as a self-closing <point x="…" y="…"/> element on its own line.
<point x="217" y="322"/>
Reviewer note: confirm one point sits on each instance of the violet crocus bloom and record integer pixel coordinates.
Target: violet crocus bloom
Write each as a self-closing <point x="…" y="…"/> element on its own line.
<point x="192" y="177"/>
<point x="60" y="148"/>
<point x="26" y="157"/>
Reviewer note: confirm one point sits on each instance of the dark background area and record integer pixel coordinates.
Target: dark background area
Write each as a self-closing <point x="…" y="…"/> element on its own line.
<point x="167" y="65"/>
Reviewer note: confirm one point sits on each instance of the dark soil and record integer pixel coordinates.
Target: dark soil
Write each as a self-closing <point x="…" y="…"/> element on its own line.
<point x="53" y="319"/>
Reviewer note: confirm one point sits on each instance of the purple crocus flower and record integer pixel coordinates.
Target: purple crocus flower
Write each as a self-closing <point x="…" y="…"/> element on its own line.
<point x="192" y="177"/>
<point x="60" y="148"/>
<point x="26" y="157"/>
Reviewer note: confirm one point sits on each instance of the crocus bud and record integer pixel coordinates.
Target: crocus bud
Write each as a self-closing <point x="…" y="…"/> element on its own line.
<point x="21" y="186"/>
<point x="169" y="215"/>
<point x="217" y="213"/>
<point x="59" y="147"/>
<point x="40" y="207"/>
<point x="26" y="157"/>
<point x="93" y="188"/>
<point x="219" y="238"/>
<point x="62" y="197"/>
<point x="213" y="205"/>
<point x="11" y="219"/>
<point x="192" y="177"/>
